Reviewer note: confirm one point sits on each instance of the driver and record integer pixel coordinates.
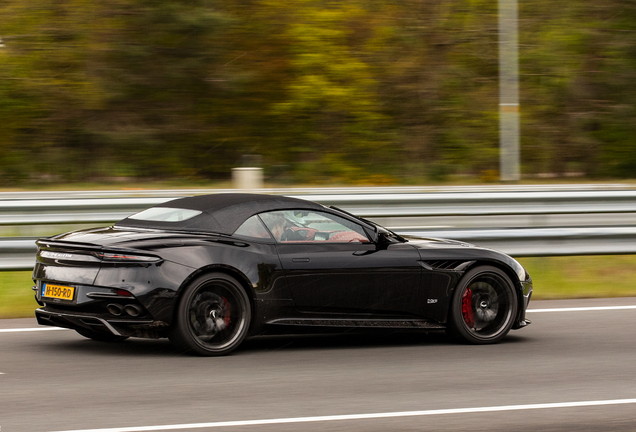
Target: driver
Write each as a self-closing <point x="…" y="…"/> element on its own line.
<point x="276" y="223"/>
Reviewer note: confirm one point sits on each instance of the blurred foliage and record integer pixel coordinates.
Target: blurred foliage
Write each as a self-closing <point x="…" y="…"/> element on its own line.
<point x="363" y="91"/>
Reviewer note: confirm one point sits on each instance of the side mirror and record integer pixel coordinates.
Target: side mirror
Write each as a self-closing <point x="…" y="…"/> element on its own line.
<point x="373" y="234"/>
<point x="382" y="238"/>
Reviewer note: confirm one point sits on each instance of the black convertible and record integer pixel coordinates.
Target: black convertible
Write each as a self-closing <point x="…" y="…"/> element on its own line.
<point x="208" y="271"/>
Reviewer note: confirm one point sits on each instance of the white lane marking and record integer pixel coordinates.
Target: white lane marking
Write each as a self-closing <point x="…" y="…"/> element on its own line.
<point x="582" y="309"/>
<point x="31" y="329"/>
<point x="363" y="416"/>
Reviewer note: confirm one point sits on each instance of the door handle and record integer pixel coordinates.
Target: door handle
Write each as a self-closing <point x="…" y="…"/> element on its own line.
<point x="299" y="260"/>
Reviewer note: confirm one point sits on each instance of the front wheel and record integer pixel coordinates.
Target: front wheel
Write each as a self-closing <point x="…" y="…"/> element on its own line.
<point x="212" y="317"/>
<point x="484" y="306"/>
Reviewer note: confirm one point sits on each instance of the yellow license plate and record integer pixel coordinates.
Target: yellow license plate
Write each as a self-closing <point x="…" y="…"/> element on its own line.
<point x="58" y="291"/>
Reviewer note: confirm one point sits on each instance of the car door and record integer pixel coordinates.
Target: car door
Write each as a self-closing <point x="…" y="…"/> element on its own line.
<point x="331" y="266"/>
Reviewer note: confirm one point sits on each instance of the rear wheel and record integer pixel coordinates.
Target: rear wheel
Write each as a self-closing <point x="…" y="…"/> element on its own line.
<point x="100" y="336"/>
<point x="484" y="306"/>
<point x="212" y="317"/>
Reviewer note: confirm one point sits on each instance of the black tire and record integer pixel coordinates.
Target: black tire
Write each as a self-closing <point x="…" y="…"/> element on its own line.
<point x="484" y="306"/>
<point x="100" y="336"/>
<point x="212" y="317"/>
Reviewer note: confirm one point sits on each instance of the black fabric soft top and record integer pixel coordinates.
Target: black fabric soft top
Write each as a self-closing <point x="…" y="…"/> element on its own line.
<point x="221" y="213"/>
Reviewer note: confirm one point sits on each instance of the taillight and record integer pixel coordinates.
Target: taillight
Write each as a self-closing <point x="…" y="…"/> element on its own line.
<point x="67" y="256"/>
<point x="124" y="257"/>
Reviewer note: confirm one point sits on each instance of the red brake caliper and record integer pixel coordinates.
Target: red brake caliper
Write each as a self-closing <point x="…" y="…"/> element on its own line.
<point x="226" y="309"/>
<point x="467" y="308"/>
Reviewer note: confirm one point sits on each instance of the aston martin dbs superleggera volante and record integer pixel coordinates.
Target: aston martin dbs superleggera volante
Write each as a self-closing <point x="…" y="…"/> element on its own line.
<point x="209" y="271"/>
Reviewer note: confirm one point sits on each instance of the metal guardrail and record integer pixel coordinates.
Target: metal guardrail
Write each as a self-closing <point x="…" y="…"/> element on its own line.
<point x="17" y="254"/>
<point x="522" y="221"/>
<point x="378" y="204"/>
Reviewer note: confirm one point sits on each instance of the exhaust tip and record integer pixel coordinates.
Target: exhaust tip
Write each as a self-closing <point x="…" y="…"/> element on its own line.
<point x="114" y="309"/>
<point x="132" y="310"/>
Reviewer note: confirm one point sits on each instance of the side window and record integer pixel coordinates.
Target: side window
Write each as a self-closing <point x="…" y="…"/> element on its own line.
<point x="292" y="226"/>
<point x="253" y="227"/>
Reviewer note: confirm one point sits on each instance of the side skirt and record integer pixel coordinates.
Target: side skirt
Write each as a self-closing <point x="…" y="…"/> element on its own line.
<point x="358" y="323"/>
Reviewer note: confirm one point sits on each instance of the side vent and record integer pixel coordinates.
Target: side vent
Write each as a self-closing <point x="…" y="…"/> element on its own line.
<point x="443" y="264"/>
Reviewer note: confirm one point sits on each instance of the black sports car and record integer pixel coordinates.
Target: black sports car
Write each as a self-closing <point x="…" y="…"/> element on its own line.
<point x="208" y="271"/>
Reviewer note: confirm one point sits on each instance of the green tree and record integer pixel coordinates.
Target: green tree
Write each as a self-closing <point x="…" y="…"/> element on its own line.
<point x="330" y="119"/>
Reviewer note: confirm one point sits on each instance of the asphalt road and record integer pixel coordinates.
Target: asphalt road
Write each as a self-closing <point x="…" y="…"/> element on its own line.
<point x="58" y="381"/>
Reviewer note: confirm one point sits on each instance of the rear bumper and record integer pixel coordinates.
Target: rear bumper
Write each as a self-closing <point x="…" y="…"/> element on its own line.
<point x="92" y="322"/>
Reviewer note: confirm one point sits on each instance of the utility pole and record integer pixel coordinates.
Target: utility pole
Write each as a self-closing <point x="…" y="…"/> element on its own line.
<point x="509" y="155"/>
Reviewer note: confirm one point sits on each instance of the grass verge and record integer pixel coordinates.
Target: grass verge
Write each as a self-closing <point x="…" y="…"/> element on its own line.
<point x="554" y="278"/>
<point x="582" y="276"/>
<point x="16" y="295"/>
